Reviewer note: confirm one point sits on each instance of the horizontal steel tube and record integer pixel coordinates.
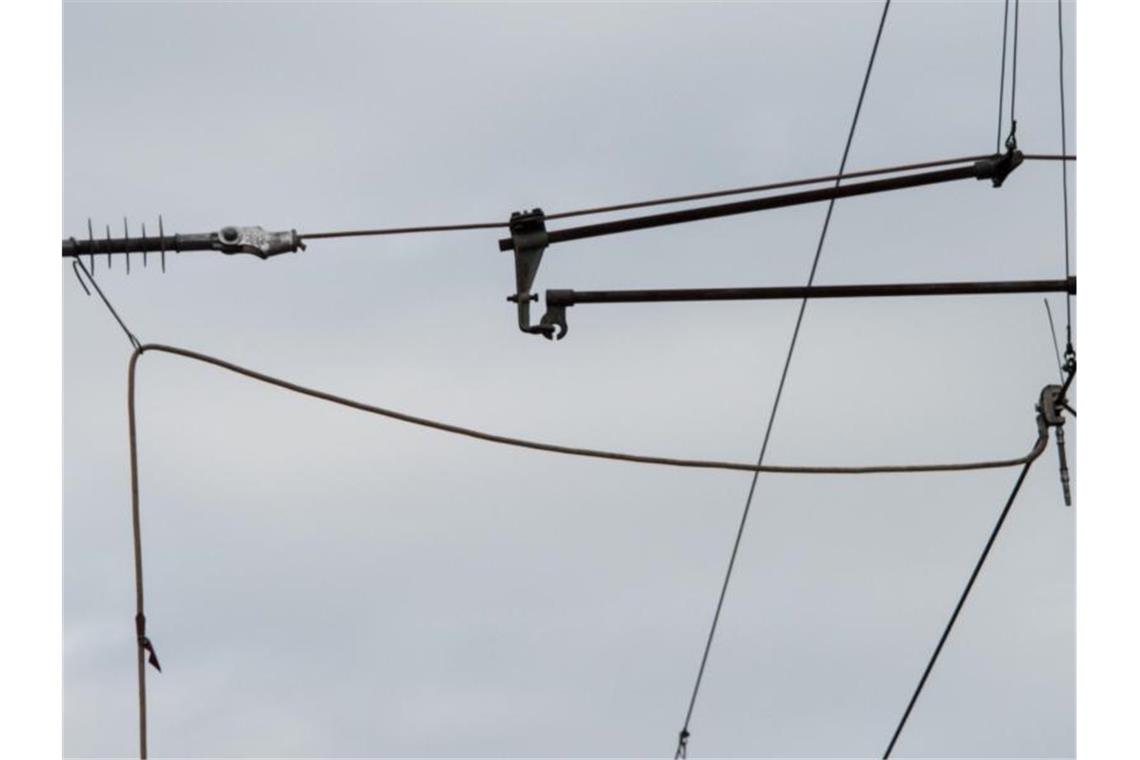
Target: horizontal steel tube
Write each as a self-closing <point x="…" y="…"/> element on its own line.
<point x="980" y="170"/>
<point x="572" y="297"/>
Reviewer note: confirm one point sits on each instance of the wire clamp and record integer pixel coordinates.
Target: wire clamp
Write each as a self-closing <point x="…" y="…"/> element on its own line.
<point x="999" y="166"/>
<point x="144" y="642"/>
<point x="682" y="745"/>
<point x="1050" y="414"/>
<point x="257" y="241"/>
<point x="529" y="241"/>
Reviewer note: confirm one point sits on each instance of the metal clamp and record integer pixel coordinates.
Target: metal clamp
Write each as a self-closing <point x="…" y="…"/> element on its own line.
<point x="529" y="241"/>
<point x="257" y="241"/>
<point x="555" y="317"/>
<point x="998" y="167"/>
<point x="1050" y="410"/>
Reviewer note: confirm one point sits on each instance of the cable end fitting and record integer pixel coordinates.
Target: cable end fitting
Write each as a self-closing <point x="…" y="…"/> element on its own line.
<point x="257" y="241"/>
<point x="998" y="167"/>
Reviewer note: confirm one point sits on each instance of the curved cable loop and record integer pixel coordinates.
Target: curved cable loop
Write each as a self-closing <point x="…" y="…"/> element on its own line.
<point x="145" y="648"/>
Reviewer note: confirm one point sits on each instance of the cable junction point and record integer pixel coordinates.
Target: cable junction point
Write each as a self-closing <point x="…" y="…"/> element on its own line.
<point x="530" y="238"/>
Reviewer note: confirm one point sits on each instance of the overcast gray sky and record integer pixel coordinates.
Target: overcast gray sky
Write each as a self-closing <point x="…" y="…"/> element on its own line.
<point x="326" y="583"/>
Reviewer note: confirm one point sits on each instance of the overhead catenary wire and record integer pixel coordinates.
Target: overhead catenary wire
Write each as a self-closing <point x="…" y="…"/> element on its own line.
<point x="1025" y="461"/>
<point x="1001" y="80"/>
<point x="1038" y="449"/>
<point x="683" y="738"/>
<point x="1056" y="348"/>
<point x="1064" y="173"/>
<point x="1011" y="141"/>
<point x="900" y="168"/>
<point x="180" y="243"/>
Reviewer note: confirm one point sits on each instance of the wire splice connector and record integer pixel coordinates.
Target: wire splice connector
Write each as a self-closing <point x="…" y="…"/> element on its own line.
<point x="257" y="241"/>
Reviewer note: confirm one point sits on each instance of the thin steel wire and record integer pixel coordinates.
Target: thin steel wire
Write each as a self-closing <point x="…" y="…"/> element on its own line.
<point x="769" y="186"/>
<point x="900" y="168"/>
<point x="77" y="265"/>
<point x="1013" y="75"/>
<point x="1064" y="170"/>
<point x="1001" y="86"/>
<point x="682" y="744"/>
<point x="672" y="199"/>
<point x="1042" y="440"/>
<point x="1056" y="348"/>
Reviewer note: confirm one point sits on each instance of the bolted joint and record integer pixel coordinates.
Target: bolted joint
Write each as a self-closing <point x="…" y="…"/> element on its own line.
<point x="257" y="241"/>
<point x="998" y="167"/>
<point x="528" y="241"/>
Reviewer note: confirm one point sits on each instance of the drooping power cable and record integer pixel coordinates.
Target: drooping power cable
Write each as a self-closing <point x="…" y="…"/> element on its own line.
<point x="145" y="648"/>
<point x="683" y="737"/>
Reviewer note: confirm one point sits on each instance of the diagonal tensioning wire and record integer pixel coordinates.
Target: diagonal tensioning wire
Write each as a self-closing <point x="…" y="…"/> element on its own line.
<point x="1042" y="440"/>
<point x="77" y="266"/>
<point x="678" y="198"/>
<point x="683" y="738"/>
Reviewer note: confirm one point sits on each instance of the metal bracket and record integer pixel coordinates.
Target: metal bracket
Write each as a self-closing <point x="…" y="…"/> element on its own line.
<point x="555" y="317"/>
<point x="998" y="167"/>
<point x="529" y="241"/>
<point x="257" y="241"/>
<point x="1050" y="410"/>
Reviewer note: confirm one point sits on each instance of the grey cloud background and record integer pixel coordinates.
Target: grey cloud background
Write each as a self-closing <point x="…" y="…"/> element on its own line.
<point x="323" y="583"/>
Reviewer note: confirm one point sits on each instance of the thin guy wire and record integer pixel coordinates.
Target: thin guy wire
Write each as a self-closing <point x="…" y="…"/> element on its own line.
<point x="671" y="199"/>
<point x="1056" y="348"/>
<point x="1013" y="74"/>
<point x="652" y="201"/>
<point x="1042" y="440"/>
<point x="1064" y="170"/>
<point x="642" y="204"/>
<point x="682" y="743"/>
<point x="130" y="335"/>
<point x="769" y="186"/>
<point x="1001" y="86"/>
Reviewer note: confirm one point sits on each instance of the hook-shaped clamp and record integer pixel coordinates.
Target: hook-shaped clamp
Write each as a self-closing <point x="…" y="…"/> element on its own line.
<point x="529" y="241"/>
<point x="555" y="316"/>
